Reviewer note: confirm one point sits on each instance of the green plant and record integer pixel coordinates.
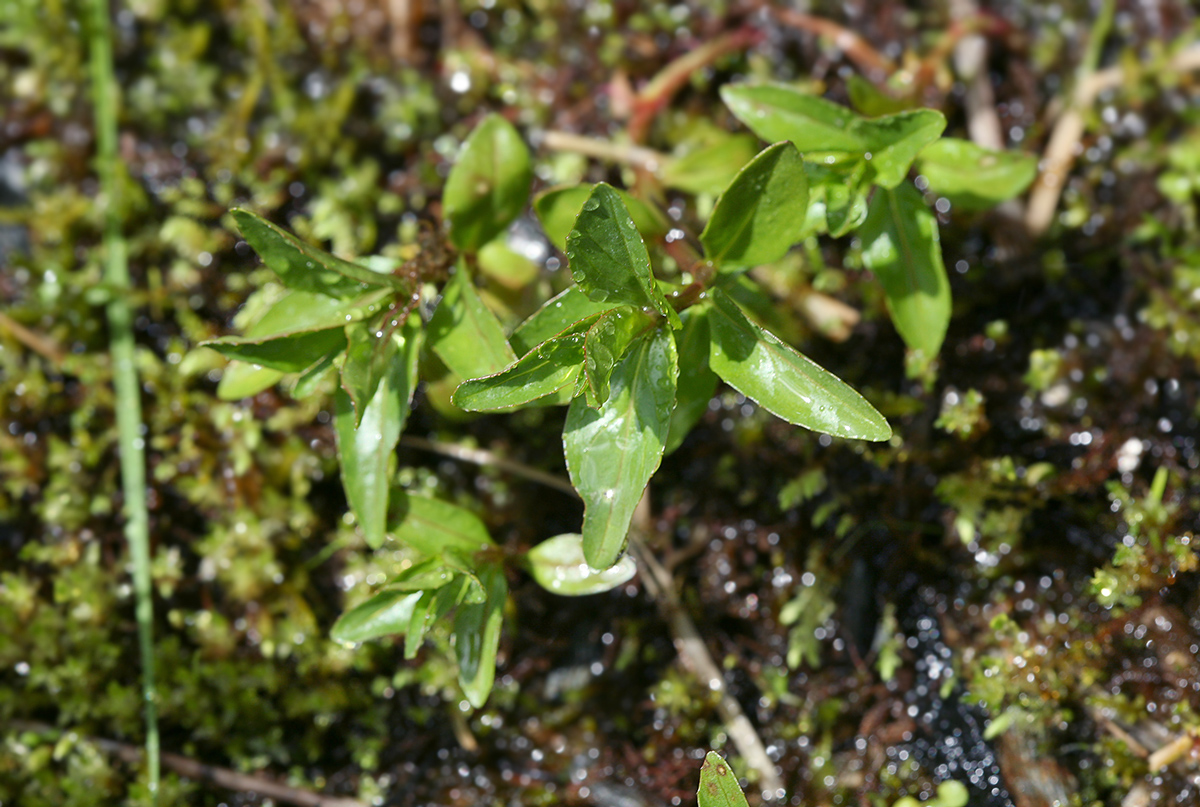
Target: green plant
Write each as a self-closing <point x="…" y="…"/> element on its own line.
<point x="635" y="355"/>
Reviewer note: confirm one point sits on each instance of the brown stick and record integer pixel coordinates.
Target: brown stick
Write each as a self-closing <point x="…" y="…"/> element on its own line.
<point x="209" y="774"/>
<point x="38" y="344"/>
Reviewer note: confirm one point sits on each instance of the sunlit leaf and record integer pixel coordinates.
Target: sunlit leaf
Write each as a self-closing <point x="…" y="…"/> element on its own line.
<point x="552" y="366"/>
<point x="387" y="613"/>
<point x="900" y="244"/>
<point x="558" y="565"/>
<point x="697" y="382"/>
<point x="974" y="177"/>
<point x="608" y="258"/>
<point x="785" y="382"/>
<point x="477" y="637"/>
<point x="365" y="452"/>
<point x="612" y="453"/>
<point x="240" y="380"/>
<point x="605" y="344"/>
<point x="304" y="267"/>
<point x="465" y="333"/>
<point x="557" y="208"/>
<point x="777" y="112"/>
<point x="433" y="526"/>
<point x="287" y="354"/>
<point x="488" y="185"/>
<point x="762" y="213"/>
<point x="555" y="316"/>
<point x="718" y="784"/>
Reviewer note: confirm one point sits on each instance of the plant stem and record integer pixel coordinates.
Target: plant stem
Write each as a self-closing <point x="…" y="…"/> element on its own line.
<point x="124" y="368"/>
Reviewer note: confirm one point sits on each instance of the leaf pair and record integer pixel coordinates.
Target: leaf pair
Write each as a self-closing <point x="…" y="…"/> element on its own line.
<point x="847" y="155"/>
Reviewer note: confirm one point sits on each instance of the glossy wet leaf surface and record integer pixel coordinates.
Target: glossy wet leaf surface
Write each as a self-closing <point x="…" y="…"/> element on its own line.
<point x="555" y="316"/>
<point x="551" y="366"/>
<point x="304" y="267"/>
<point x="287" y="354"/>
<point x="697" y="382"/>
<point x="785" y="382"/>
<point x="477" y="636"/>
<point x="762" y="213"/>
<point x="605" y="344"/>
<point x="608" y="257"/>
<point x="386" y="614"/>
<point x="367" y="439"/>
<point x="557" y="209"/>
<point x="558" y="565"/>
<point x="240" y="380"/>
<point x="901" y="245"/>
<point x="611" y="453"/>
<point x="488" y="186"/>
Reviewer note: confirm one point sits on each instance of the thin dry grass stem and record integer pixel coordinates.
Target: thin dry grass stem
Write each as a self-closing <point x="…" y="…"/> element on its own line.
<point x="481" y="456"/>
<point x="43" y="346"/>
<point x="694" y="655"/>
<point x="623" y="153"/>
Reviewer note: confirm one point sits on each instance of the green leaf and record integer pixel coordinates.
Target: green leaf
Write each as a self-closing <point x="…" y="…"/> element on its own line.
<point x="287" y="354"/>
<point x="367" y="359"/>
<point x="900" y="244"/>
<point x="973" y="177"/>
<point x="309" y="382"/>
<point x="710" y="168"/>
<point x="718" y="785"/>
<point x="839" y="192"/>
<point x="465" y="333"/>
<point x="608" y="258"/>
<point x="431" y="573"/>
<point x="697" y="382"/>
<point x="489" y="184"/>
<point x="894" y="141"/>
<point x="387" y="613"/>
<point x="605" y="344"/>
<point x="551" y="366"/>
<point x="870" y="100"/>
<point x="432" y="526"/>
<point x="777" y="112"/>
<point x="304" y="267"/>
<point x="762" y="213"/>
<point x="557" y="208"/>
<point x="365" y="452"/>
<point x="612" y="453"/>
<point x="477" y="637"/>
<point x="559" y="567"/>
<point x="301" y="312"/>
<point x="554" y="317"/>
<point x="240" y="380"/>
<point x="785" y="382"/>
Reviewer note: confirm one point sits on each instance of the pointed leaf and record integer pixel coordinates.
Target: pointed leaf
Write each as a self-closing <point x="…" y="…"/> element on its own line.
<point x="762" y="213"/>
<point x="310" y="380"/>
<point x="697" y="382"/>
<point x="548" y="368"/>
<point x="900" y="244"/>
<point x="304" y="267"/>
<point x="839" y="194"/>
<point x="894" y="141"/>
<point x="608" y="258"/>
<point x="718" y="785"/>
<point x="387" y="613"/>
<point x="465" y="333"/>
<point x="785" y="382"/>
<point x="974" y="177"/>
<point x="559" y="567"/>
<point x="432" y="526"/>
<point x="605" y="345"/>
<point x="489" y="184"/>
<point x="557" y="208"/>
<point x="612" y="453"/>
<point x="240" y="380"/>
<point x="555" y="316"/>
<point x="777" y="112"/>
<point x="477" y="637"/>
<point x="301" y="312"/>
<point x="365" y="452"/>
<point x="367" y="359"/>
<point x="287" y="354"/>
